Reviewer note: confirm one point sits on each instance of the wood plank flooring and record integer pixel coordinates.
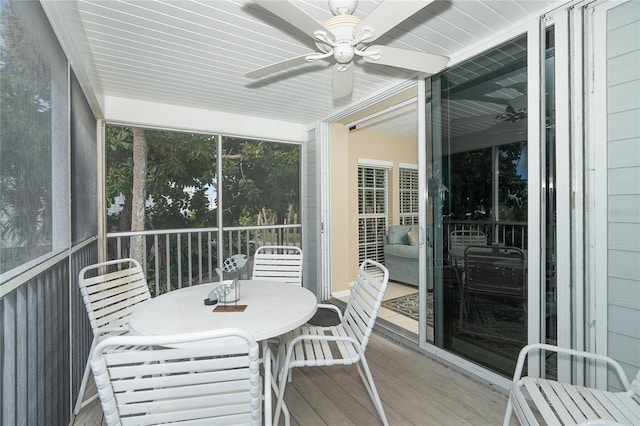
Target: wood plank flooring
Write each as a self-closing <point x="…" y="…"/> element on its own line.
<point x="415" y="390"/>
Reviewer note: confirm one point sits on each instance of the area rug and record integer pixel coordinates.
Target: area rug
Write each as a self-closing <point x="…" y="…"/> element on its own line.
<point x="495" y="327"/>
<point x="325" y="318"/>
<point x="409" y="306"/>
<point x="496" y="321"/>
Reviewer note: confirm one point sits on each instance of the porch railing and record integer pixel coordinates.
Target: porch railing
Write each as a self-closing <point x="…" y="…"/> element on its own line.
<point x="508" y="233"/>
<point x="177" y="258"/>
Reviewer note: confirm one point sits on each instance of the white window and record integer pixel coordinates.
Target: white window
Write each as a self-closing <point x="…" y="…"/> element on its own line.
<point x="408" y="194"/>
<point x="373" y="208"/>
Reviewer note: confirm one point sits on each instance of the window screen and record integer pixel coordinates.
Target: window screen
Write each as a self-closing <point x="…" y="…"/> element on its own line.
<point x="84" y="167"/>
<point x="34" y="134"/>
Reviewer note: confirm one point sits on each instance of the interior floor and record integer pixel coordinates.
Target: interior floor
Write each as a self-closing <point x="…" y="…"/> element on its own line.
<point x="492" y="339"/>
<point x="395" y="290"/>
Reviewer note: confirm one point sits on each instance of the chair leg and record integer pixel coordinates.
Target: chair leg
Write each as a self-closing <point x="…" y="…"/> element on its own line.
<point x="508" y="412"/>
<point x="371" y="388"/>
<point x="282" y="385"/>
<point x="275" y="373"/>
<point x="85" y="379"/>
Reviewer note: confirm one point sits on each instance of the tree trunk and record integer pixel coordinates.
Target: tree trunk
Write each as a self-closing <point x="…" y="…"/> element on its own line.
<point x="139" y="195"/>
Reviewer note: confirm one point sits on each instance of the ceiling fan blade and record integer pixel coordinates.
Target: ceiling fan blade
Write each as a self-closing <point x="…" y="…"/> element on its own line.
<point x="277" y="67"/>
<point x="291" y="13"/>
<point x="409" y="59"/>
<point x="387" y="15"/>
<point x="342" y="81"/>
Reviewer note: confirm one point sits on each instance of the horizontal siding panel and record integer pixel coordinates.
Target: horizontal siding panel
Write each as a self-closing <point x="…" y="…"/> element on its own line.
<point x="624" y="321"/>
<point x="624" y="153"/>
<point x="624" y="181"/>
<point x="624" y="96"/>
<point x="624" y="236"/>
<point x="623" y="125"/>
<point x="624" y="208"/>
<point x="623" y="40"/>
<point x="624" y="264"/>
<point x="623" y="15"/>
<point x="624" y="68"/>
<point x="625" y="350"/>
<point x="624" y="293"/>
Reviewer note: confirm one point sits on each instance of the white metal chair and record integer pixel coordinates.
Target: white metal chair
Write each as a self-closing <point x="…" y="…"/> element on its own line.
<point x="109" y="298"/>
<point x="210" y="377"/>
<point x="496" y="271"/>
<point x="567" y="404"/>
<point x="461" y="238"/>
<point x="345" y="343"/>
<point x="278" y="263"/>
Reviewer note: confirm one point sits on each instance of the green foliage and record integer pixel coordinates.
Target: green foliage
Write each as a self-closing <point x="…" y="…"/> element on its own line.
<point x="470" y="184"/>
<point x="25" y="138"/>
<point x="260" y="181"/>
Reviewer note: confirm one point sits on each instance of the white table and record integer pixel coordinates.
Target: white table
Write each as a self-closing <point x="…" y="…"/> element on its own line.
<point x="272" y="309"/>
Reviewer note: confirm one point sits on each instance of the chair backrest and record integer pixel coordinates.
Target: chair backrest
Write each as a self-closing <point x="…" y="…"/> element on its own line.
<point x="278" y="263"/>
<point x="210" y="377"/>
<point x="495" y="270"/>
<point x="110" y="290"/>
<point x="466" y="237"/>
<point x="365" y="300"/>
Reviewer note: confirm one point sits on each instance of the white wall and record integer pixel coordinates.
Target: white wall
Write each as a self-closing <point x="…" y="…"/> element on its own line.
<point x="130" y="111"/>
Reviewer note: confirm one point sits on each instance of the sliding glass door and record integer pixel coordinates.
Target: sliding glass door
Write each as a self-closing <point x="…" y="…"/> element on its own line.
<point x="478" y="207"/>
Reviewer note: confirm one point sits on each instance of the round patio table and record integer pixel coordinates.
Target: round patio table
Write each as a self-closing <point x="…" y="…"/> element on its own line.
<point x="272" y="309"/>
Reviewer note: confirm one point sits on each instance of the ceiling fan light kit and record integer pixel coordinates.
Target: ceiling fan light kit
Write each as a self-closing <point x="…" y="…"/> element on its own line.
<point x="346" y="36"/>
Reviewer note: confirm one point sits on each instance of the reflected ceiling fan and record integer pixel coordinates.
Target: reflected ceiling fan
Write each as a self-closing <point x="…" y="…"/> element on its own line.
<point x="515" y="111"/>
<point x="346" y="37"/>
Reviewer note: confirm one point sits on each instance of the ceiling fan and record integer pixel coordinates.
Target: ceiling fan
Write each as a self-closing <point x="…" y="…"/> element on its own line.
<point x="346" y="37"/>
<point x="515" y="111"/>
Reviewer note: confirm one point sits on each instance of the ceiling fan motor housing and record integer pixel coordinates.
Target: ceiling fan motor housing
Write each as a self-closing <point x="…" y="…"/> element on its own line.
<point x="341" y="26"/>
<point x="343" y="53"/>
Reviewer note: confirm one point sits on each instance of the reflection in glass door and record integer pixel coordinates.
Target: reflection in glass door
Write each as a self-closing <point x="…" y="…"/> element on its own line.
<point x="478" y="209"/>
<point x="478" y="181"/>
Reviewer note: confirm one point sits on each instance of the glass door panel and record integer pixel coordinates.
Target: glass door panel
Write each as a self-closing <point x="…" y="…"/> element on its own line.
<point x="477" y="183"/>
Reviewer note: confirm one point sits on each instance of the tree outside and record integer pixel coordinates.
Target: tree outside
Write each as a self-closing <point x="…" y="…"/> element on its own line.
<point x="25" y="144"/>
<point x="260" y="185"/>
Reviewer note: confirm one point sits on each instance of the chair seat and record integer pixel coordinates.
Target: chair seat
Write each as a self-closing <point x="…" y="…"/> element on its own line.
<point x="558" y="403"/>
<point x="323" y="352"/>
<point x="561" y="403"/>
<point x="342" y="344"/>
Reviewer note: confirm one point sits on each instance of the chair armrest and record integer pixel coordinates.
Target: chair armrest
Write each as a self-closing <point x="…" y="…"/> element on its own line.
<point x="107" y="330"/>
<point x="331" y="307"/>
<point x="524" y="352"/>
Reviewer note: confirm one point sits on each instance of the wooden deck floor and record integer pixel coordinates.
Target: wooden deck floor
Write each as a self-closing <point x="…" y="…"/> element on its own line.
<point x="415" y="390"/>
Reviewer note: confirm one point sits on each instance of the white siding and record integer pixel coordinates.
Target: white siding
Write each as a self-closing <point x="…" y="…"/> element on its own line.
<point x="623" y="192"/>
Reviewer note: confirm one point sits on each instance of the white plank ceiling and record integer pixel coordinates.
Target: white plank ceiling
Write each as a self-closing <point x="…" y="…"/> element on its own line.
<point x="195" y="53"/>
